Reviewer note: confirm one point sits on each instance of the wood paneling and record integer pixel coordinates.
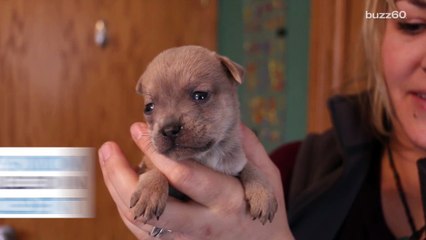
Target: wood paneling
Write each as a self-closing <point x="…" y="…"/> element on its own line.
<point x="334" y="50"/>
<point x="57" y="88"/>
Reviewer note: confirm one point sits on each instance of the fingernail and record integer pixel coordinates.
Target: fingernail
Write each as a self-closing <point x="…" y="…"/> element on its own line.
<point x="104" y="152"/>
<point x="136" y="131"/>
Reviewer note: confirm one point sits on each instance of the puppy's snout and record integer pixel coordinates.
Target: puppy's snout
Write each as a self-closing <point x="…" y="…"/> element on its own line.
<point x="172" y="130"/>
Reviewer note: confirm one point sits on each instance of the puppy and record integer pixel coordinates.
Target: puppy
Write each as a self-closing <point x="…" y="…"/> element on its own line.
<point x="192" y="110"/>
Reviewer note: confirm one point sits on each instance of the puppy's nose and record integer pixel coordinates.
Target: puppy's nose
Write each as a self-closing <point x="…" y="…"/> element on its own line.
<point x="171" y="130"/>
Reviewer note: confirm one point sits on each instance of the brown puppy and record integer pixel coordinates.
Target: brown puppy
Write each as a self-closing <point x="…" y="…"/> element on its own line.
<point x="192" y="109"/>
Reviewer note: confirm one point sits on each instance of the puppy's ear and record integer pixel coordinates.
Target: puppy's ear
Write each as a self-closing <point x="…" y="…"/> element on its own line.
<point x="139" y="87"/>
<point x="236" y="70"/>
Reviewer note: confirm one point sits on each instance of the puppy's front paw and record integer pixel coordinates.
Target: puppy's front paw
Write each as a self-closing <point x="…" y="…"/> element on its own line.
<point x="261" y="200"/>
<point x="149" y="199"/>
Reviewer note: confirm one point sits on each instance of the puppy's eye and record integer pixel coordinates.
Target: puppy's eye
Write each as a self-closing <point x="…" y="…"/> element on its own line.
<point x="200" y="96"/>
<point x="149" y="108"/>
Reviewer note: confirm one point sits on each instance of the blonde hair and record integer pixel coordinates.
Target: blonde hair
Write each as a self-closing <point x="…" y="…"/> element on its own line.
<point x="373" y="32"/>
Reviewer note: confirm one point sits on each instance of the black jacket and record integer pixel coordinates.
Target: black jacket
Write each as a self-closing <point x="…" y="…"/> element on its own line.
<point x="330" y="169"/>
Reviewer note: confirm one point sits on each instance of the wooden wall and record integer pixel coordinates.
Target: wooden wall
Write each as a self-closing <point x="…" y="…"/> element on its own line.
<point x="334" y="49"/>
<point x="57" y="88"/>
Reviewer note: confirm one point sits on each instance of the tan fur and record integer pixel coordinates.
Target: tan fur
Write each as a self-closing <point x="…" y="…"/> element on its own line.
<point x="205" y="131"/>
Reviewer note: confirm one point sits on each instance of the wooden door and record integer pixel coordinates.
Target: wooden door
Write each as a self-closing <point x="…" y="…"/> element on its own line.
<point x="335" y="47"/>
<point x="58" y="88"/>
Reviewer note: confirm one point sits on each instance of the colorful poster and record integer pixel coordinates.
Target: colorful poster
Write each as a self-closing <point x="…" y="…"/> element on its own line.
<point x="263" y="104"/>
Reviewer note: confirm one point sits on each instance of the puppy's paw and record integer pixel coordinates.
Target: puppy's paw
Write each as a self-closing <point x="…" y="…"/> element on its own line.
<point x="149" y="199"/>
<point x="261" y="200"/>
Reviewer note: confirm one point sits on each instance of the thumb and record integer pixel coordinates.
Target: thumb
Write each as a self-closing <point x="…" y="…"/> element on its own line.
<point x="253" y="148"/>
<point x="177" y="173"/>
<point x="141" y="133"/>
<point x="256" y="153"/>
<point x="142" y="137"/>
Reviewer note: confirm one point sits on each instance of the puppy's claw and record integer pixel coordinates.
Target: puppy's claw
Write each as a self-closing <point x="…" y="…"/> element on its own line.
<point x="271" y="217"/>
<point x="261" y="202"/>
<point x="134" y="198"/>
<point x="149" y="199"/>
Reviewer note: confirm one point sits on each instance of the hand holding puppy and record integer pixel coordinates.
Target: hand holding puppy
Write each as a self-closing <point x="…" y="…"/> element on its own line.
<point x="192" y="112"/>
<point x="218" y="209"/>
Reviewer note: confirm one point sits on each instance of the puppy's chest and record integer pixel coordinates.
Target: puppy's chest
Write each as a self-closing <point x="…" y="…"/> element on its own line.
<point x="230" y="163"/>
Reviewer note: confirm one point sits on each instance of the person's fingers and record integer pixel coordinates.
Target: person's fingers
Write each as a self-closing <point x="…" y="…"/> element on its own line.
<point x="119" y="176"/>
<point x="139" y="232"/>
<point x="255" y="152"/>
<point x="143" y="231"/>
<point x="172" y="217"/>
<point x="200" y="183"/>
<point x="257" y="155"/>
<point x="121" y="181"/>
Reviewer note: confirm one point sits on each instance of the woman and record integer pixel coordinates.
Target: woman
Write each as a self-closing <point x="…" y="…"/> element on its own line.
<point x="343" y="183"/>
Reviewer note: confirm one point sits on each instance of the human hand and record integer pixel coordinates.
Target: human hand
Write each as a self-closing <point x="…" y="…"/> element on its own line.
<point x="218" y="209"/>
